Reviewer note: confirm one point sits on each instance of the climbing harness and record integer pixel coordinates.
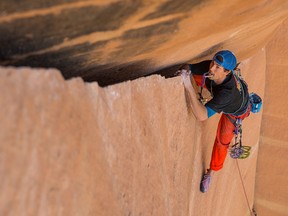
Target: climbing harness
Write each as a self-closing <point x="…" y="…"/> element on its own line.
<point x="238" y="151"/>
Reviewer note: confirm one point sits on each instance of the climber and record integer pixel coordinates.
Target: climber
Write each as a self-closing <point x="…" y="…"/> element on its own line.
<point x="229" y="96"/>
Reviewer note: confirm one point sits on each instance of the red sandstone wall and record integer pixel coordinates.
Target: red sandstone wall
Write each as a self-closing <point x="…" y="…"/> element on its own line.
<point x="70" y="148"/>
<point x="271" y="182"/>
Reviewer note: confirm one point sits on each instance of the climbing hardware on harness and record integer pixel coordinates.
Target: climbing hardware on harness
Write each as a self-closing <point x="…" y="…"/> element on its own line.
<point x="238" y="151"/>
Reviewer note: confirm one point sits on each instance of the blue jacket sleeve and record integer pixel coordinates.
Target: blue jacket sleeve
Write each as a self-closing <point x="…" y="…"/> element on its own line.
<point x="210" y="111"/>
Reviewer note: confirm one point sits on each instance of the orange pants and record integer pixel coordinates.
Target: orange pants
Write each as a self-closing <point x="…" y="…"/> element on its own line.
<point x="224" y="135"/>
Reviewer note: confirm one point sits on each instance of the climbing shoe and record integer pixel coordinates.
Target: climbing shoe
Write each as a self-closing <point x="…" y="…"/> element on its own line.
<point x="205" y="182"/>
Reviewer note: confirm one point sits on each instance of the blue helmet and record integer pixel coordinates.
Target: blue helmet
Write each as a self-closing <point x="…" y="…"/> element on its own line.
<point x="226" y="59"/>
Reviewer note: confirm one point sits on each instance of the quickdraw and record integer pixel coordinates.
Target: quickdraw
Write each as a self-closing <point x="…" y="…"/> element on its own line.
<point x="238" y="151"/>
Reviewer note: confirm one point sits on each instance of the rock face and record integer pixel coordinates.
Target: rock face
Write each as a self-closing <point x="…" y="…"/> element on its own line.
<point x="271" y="181"/>
<point x="69" y="147"/>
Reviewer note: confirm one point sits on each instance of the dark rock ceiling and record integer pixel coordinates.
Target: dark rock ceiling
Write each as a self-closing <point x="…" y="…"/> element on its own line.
<point x="73" y="36"/>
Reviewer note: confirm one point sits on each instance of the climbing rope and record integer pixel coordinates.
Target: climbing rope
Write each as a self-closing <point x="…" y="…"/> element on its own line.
<point x="252" y="211"/>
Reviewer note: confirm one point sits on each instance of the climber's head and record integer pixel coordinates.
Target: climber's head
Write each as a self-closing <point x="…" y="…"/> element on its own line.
<point x="222" y="64"/>
<point x="226" y="59"/>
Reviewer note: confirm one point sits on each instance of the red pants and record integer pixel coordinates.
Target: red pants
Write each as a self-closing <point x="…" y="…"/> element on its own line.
<point x="224" y="135"/>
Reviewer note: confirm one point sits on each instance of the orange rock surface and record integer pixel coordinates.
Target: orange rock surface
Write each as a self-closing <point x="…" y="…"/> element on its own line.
<point x="68" y="147"/>
<point x="272" y="172"/>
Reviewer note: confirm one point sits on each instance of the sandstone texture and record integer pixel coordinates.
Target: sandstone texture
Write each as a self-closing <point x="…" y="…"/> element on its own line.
<point x="272" y="172"/>
<point x="70" y="147"/>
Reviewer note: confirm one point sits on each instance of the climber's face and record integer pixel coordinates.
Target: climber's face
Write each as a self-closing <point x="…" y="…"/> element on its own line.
<point x="217" y="73"/>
